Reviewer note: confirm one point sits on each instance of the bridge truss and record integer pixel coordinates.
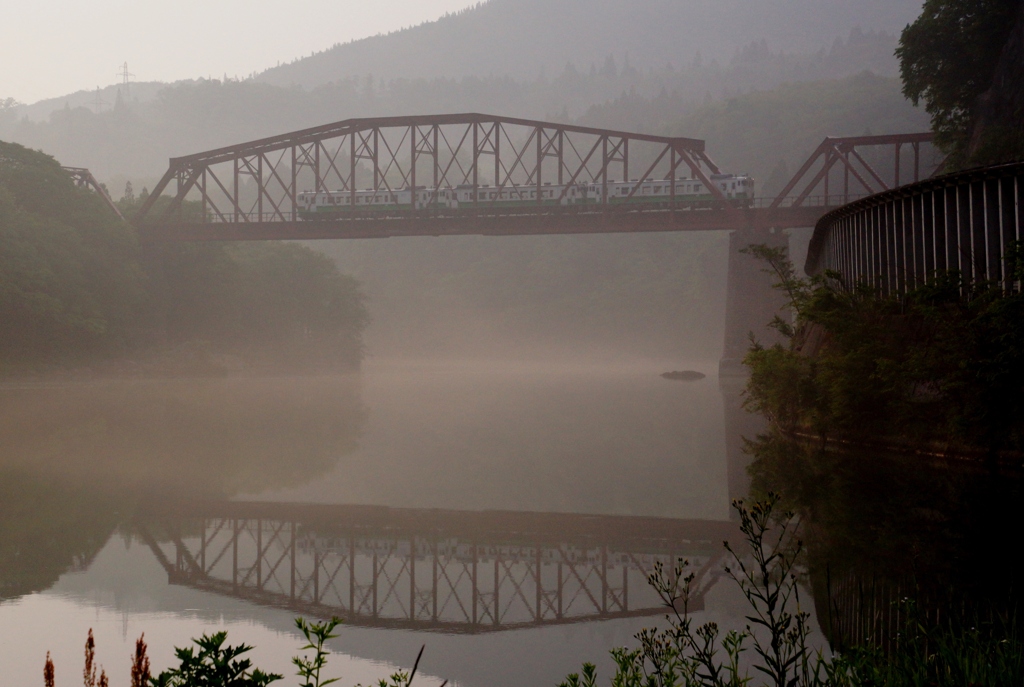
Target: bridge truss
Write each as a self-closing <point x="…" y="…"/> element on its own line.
<point x="858" y="176"/>
<point x="251" y="191"/>
<point x="444" y="576"/>
<point x="83" y="178"/>
<point x="257" y="183"/>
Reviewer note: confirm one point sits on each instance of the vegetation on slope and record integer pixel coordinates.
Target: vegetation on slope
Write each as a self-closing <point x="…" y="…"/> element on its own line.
<point x="940" y="367"/>
<point x="77" y="288"/>
<point x="949" y="59"/>
<point x="523" y="38"/>
<point x="71" y="280"/>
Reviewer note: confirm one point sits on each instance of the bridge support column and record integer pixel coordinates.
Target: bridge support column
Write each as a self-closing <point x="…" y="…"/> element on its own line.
<point x="751" y="302"/>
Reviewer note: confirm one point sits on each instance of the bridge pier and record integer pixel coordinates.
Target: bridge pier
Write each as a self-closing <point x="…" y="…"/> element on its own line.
<point x="751" y="302"/>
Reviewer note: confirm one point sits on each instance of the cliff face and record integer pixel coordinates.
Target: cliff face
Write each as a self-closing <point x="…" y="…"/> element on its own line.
<point x="997" y="133"/>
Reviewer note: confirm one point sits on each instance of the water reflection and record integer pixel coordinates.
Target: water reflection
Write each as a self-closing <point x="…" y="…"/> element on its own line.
<point x="218" y="436"/>
<point x="77" y="459"/>
<point x="111" y="489"/>
<point x="449" y="571"/>
<point x="881" y="526"/>
<point x="48" y="529"/>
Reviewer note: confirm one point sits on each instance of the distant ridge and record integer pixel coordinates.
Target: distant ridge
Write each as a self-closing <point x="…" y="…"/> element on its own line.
<point x="526" y="38"/>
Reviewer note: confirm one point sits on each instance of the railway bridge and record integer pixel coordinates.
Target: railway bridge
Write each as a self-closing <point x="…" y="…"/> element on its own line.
<point x="252" y="191"/>
<point x="434" y="570"/>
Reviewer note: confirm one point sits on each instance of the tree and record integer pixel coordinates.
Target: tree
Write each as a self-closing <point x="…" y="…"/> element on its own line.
<point x="948" y="57"/>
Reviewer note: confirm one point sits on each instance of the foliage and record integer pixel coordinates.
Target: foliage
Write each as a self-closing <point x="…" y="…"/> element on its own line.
<point x="942" y="363"/>
<point x="140" y="675"/>
<point x="943" y="655"/>
<point x="316" y="634"/>
<point x="70" y="279"/>
<point x="218" y="666"/>
<point x="938" y="654"/>
<point x="948" y="57"/>
<point x="213" y="665"/>
<point x="777" y="627"/>
<point x="76" y="288"/>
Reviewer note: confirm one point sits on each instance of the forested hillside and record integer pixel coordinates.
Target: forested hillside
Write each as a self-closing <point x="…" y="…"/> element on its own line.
<point x="77" y="289"/>
<point x="133" y="140"/>
<point x="525" y="38"/>
<point x="762" y="83"/>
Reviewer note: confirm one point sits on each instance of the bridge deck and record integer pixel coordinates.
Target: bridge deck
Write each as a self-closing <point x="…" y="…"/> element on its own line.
<point x="491" y="224"/>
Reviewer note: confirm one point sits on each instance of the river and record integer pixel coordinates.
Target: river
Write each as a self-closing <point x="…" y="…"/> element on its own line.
<point x="504" y="515"/>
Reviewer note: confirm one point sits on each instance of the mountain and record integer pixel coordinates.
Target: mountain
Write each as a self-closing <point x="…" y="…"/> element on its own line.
<point x="526" y="38"/>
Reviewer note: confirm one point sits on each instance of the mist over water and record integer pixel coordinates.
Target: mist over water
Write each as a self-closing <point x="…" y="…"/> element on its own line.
<point x="84" y="462"/>
<point x="534" y="437"/>
<point x="458" y="441"/>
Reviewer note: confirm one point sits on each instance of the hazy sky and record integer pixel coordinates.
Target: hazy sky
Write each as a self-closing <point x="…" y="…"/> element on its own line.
<point x="55" y="47"/>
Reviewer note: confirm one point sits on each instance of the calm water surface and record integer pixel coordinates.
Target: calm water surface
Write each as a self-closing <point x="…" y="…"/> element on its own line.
<point x="503" y="515"/>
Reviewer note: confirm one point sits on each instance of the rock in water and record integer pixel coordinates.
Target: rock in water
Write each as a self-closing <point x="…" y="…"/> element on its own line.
<point x="684" y="376"/>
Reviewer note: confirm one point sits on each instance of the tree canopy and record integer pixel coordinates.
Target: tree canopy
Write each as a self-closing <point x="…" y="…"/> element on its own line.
<point x="948" y="58"/>
<point x="76" y="287"/>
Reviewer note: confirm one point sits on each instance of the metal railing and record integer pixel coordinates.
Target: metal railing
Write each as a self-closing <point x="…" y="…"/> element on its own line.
<point x="895" y="240"/>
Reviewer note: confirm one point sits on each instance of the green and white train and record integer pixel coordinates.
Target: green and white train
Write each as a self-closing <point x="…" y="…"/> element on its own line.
<point x="651" y="193"/>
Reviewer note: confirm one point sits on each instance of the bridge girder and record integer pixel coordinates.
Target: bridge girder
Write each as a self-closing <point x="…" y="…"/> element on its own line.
<point x="259" y="181"/>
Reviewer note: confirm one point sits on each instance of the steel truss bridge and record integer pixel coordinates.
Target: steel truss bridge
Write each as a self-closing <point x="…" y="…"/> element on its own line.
<point x="450" y="571"/>
<point x="250" y="191"/>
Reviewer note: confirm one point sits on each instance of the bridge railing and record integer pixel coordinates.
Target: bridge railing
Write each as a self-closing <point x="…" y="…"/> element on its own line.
<point x="901" y="238"/>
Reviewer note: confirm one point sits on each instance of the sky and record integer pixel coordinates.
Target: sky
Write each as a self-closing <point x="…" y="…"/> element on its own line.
<point x="50" y="48"/>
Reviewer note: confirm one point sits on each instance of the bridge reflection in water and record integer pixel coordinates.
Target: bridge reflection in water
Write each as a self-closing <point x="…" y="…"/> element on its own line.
<point x="448" y="571"/>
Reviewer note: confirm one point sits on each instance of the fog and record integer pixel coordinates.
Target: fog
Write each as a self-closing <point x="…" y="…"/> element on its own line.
<point x="84" y="46"/>
<point x="763" y="84"/>
<point x="498" y="397"/>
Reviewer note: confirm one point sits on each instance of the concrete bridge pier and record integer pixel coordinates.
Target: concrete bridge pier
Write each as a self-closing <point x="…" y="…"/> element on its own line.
<point x="751" y="303"/>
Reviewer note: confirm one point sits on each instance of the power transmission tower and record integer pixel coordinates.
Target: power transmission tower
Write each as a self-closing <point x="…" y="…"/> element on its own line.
<point x="126" y="77"/>
<point x="99" y="103"/>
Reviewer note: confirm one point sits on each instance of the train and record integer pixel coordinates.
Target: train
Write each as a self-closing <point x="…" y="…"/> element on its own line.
<point x="651" y="193"/>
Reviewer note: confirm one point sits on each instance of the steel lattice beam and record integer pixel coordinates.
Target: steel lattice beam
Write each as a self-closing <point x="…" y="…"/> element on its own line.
<point x="432" y="571"/>
<point x="845" y="154"/>
<point x="258" y="182"/>
<point x="83" y="178"/>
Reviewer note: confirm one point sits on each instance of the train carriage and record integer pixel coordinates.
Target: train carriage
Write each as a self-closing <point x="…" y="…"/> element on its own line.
<point x="648" y="193"/>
